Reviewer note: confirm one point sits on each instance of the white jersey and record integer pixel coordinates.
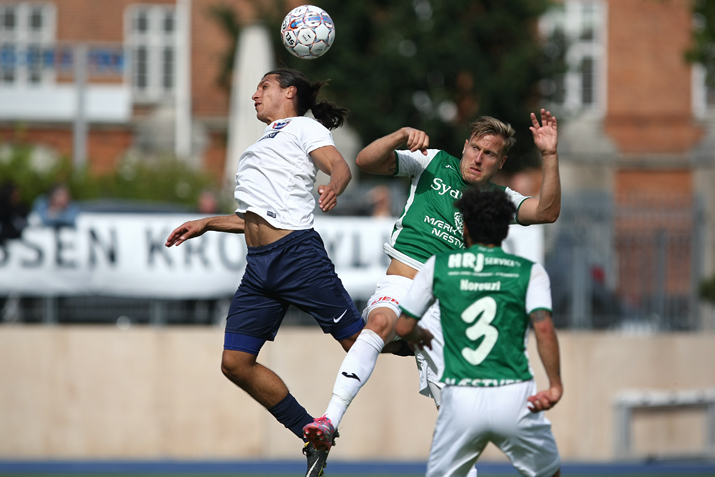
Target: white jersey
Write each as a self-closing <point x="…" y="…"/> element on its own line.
<point x="276" y="175"/>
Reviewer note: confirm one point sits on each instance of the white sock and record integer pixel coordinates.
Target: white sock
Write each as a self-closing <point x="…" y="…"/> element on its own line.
<point x="354" y="372"/>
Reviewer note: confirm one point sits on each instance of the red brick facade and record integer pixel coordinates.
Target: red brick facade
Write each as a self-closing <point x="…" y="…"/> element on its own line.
<point x="648" y="103"/>
<point x="104" y="22"/>
<point x="649" y="83"/>
<point x="649" y="107"/>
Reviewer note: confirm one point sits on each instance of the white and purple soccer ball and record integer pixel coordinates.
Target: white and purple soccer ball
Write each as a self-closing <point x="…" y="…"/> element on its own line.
<point x="307" y="32"/>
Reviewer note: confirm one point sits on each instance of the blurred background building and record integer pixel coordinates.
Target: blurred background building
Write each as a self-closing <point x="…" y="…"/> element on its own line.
<point x="95" y="81"/>
<point x="125" y="82"/>
<point x="128" y="101"/>
<point x="636" y="233"/>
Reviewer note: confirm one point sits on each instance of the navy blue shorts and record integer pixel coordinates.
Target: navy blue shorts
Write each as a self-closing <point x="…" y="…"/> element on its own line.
<point x="294" y="270"/>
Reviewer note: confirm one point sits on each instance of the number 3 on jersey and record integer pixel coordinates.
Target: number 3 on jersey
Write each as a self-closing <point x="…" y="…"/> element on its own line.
<point x="487" y="308"/>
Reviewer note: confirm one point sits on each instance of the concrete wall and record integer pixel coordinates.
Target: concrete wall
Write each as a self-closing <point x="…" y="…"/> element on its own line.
<point x="98" y="392"/>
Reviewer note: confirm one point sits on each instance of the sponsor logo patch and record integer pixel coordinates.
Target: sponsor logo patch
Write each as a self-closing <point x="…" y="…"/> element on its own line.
<point x="281" y="124"/>
<point x="270" y="135"/>
<point x="335" y="320"/>
<point x="384" y="299"/>
<point x="351" y="375"/>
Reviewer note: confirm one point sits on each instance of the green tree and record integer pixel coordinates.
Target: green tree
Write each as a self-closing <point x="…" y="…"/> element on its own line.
<point x="707" y="289"/>
<point x="703" y="49"/>
<point x="165" y="179"/>
<point x="433" y="65"/>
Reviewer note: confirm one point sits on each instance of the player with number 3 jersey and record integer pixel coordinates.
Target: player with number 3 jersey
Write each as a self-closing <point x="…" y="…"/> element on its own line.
<point x="430" y="224"/>
<point x="486" y="298"/>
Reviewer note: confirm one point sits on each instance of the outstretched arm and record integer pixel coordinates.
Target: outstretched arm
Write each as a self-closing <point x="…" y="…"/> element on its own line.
<point x="195" y="228"/>
<point x="548" y="345"/>
<point x="547" y="207"/>
<point x="329" y="160"/>
<point x="379" y="157"/>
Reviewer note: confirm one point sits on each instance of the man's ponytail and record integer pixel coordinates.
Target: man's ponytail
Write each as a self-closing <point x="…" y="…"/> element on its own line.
<point x="328" y="114"/>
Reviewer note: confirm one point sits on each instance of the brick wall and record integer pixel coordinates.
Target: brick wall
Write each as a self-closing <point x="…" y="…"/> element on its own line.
<point x="98" y="22"/>
<point x="92" y="21"/>
<point x="105" y="144"/>
<point x="649" y="82"/>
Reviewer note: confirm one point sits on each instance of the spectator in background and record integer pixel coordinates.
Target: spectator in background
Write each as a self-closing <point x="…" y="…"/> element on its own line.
<point x="208" y="204"/>
<point x="13" y="212"/>
<point x="56" y="209"/>
<point x="381" y="201"/>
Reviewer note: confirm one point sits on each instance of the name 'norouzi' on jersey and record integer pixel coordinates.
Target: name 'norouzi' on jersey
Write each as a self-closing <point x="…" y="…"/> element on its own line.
<point x="276" y="175"/>
<point x="485" y="298"/>
<point x="430" y="223"/>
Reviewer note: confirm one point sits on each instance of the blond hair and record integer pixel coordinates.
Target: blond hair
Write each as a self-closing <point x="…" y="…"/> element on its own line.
<point x="489" y="126"/>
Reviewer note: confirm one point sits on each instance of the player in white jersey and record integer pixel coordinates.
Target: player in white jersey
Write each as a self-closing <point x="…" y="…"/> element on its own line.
<point x="286" y="263"/>
<point x="487" y="298"/>
<point x="430" y="224"/>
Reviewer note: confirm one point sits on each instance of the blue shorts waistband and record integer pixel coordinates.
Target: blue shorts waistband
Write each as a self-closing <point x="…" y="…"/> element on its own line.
<point x="281" y="242"/>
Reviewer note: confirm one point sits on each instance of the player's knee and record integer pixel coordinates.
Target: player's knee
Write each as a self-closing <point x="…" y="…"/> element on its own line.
<point x="381" y="323"/>
<point x="235" y="369"/>
<point x="228" y="368"/>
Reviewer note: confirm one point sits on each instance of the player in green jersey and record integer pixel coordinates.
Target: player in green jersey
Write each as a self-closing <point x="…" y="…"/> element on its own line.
<point x="430" y="224"/>
<point x="487" y="298"/>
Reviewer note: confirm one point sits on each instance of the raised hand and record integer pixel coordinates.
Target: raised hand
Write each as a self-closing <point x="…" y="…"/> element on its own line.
<point x="546" y="133"/>
<point x="416" y="140"/>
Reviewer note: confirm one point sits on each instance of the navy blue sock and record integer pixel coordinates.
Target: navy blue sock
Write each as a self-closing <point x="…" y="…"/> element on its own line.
<point x="291" y="414"/>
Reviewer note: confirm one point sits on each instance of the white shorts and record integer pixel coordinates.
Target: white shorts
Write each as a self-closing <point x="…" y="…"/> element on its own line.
<point x="430" y="362"/>
<point x="390" y="291"/>
<point x="471" y="417"/>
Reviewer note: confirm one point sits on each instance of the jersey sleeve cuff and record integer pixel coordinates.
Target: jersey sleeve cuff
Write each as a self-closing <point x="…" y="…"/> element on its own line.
<point x="516" y="216"/>
<point x="320" y="144"/>
<point x="410" y="314"/>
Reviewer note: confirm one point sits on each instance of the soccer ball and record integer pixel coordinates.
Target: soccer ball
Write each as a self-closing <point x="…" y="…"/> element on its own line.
<point x="307" y="32"/>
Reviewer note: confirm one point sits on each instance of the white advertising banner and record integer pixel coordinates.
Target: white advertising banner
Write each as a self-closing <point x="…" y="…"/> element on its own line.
<point x="124" y="255"/>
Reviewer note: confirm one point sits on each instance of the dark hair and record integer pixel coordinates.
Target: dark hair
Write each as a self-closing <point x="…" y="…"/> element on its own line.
<point x="487" y="214"/>
<point x="489" y="126"/>
<point x="326" y="113"/>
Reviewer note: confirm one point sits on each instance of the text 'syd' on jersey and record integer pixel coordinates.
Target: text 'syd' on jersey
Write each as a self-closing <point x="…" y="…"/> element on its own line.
<point x="430" y="223"/>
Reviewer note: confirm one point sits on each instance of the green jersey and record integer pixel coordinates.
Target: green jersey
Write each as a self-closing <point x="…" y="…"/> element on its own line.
<point x="430" y="223"/>
<point x="485" y="298"/>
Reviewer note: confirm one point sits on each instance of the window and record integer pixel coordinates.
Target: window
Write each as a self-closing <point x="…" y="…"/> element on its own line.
<point x="27" y="37"/>
<point x="575" y="30"/>
<point x="150" y="34"/>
